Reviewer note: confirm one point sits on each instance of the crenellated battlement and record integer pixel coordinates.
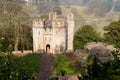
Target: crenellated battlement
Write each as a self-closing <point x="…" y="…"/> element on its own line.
<point x="54" y="35"/>
<point x="58" y="23"/>
<point x="38" y="23"/>
<point x="54" y="21"/>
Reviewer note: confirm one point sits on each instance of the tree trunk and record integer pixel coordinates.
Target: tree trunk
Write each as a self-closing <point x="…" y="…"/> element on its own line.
<point x="16" y="44"/>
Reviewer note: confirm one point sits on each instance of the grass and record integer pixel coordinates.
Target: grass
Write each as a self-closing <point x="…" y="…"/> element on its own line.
<point x="32" y="62"/>
<point x="64" y="66"/>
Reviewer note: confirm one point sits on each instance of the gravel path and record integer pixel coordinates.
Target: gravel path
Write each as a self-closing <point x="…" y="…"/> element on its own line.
<point x="47" y="67"/>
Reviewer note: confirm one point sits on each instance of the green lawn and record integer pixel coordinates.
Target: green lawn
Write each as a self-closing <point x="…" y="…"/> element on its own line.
<point x="32" y="61"/>
<point x="64" y="66"/>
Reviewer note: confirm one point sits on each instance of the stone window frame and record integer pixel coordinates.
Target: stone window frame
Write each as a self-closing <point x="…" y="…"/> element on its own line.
<point x="39" y="33"/>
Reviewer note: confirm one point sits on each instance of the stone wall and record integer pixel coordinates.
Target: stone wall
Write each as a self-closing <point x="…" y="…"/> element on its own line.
<point x="101" y="50"/>
<point x="20" y="53"/>
<point x="71" y="25"/>
<point x="56" y="32"/>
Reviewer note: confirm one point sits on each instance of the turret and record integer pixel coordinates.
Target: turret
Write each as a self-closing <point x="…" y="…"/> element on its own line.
<point x="70" y="16"/>
<point x="38" y="23"/>
<point x="52" y="16"/>
<point x="70" y="31"/>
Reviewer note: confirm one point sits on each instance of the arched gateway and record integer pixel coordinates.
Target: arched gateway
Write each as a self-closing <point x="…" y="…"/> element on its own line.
<point x="54" y="35"/>
<point x="48" y="48"/>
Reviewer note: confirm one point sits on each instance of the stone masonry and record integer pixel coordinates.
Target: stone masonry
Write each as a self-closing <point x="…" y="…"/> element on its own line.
<point x="54" y="35"/>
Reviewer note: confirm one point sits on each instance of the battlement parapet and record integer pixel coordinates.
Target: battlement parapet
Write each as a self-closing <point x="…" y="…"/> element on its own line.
<point x="58" y="23"/>
<point x="38" y="23"/>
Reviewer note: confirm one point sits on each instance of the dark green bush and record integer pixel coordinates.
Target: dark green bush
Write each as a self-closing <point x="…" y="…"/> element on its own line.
<point x="13" y="69"/>
<point x="103" y="71"/>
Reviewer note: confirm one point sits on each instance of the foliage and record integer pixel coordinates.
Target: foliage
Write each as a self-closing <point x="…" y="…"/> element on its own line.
<point x="3" y="45"/>
<point x="63" y="66"/>
<point x="112" y="34"/>
<point x="13" y="23"/>
<point x="53" y="78"/>
<point x="97" y="70"/>
<point x="13" y="69"/>
<point x="103" y="71"/>
<point x="44" y="17"/>
<point x="85" y="35"/>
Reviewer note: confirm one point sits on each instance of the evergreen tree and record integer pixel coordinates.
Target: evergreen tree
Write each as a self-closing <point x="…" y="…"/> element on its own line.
<point x="85" y="35"/>
<point x="112" y="34"/>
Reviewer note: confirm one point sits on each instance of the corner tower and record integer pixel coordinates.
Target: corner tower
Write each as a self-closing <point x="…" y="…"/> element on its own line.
<point x="70" y="31"/>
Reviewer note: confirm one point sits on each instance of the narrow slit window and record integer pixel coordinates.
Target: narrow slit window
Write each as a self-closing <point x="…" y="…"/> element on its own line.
<point x="39" y="32"/>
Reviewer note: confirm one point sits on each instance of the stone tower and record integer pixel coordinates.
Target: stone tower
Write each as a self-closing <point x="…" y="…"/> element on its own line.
<point x="52" y="16"/>
<point x="70" y="31"/>
<point x="54" y="35"/>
